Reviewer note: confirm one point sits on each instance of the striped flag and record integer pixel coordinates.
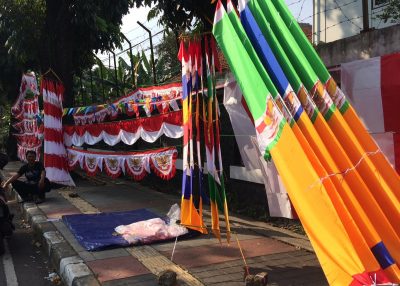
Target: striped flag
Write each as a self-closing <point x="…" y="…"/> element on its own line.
<point x="276" y="139"/>
<point x="364" y="213"/>
<point x="189" y="215"/>
<point x="213" y="178"/>
<point x="358" y="155"/>
<point x="55" y="155"/>
<point x="348" y="112"/>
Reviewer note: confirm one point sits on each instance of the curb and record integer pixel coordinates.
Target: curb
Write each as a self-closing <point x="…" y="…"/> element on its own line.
<point x="70" y="267"/>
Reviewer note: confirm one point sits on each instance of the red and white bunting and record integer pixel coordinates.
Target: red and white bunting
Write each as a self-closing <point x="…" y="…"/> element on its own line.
<point x="136" y="164"/>
<point x="149" y="129"/>
<point x="55" y="155"/>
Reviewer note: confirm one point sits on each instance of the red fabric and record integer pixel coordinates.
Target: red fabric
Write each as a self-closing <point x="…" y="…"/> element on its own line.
<point x="52" y="86"/>
<point x="366" y="278"/>
<point x="113" y="128"/>
<point x="52" y="135"/>
<point x="390" y="87"/>
<point x="27" y="140"/>
<point x="52" y="110"/>
<point x="396" y="140"/>
<point x="162" y="175"/>
<point x="55" y="161"/>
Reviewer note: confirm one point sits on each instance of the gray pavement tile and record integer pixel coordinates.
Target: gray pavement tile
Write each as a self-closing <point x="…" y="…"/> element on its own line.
<point x="110" y="253"/>
<point x="86" y="255"/>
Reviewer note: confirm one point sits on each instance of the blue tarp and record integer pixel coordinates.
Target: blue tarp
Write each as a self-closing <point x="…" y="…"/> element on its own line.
<point x="95" y="231"/>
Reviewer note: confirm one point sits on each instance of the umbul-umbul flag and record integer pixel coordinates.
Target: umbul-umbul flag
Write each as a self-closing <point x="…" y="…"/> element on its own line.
<point x="358" y="202"/>
<point x="379" y="174"/>
<point x="343" y="261"/>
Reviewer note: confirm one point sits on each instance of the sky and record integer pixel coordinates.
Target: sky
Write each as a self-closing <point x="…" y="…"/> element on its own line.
<point x="301" y="9"/>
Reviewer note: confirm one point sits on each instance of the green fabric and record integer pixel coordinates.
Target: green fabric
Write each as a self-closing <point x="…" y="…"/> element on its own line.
<point x="251" y="83"/>
<point x="246" y="74"/>
<point x="293" y="51"/>
<point x="251" y="52"/>
<point x="301" y="39"/>
<point x="275" y="46"/>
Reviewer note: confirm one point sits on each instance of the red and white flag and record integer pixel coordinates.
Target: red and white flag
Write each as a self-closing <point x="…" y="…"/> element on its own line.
<point x="55" y="155"/>
<point x="373" y="87"/>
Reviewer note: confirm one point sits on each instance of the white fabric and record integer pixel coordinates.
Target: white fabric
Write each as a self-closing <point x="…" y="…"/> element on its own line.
<point x="361" y="82"/>
<point x="385" y="142"/>
<point x="54" y="148"/>
<point x="245" y="136"/>
<point x="51" y="122"/>
<point x="169" y="130"/>
<point x="242" y="125"/>
<point x="54" y="124"/>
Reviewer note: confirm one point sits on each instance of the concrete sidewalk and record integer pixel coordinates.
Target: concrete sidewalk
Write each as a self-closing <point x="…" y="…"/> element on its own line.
<point x="286" y="256"/>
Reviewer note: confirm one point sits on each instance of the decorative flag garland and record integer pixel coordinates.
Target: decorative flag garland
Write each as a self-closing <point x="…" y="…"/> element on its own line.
<point x="26" y="111"/>
<point x="161" y="98"/>
<point x="136" y="164"/>
<point x="55" y="155"/>
<point x="129" y="131"/>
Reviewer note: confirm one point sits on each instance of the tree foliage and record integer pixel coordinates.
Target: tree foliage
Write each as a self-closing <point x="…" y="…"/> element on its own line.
<point x="101" y="85"/>
<point x="181" y="15"/>
<point x="391" y="12"/>
<point x="61" y="34"/>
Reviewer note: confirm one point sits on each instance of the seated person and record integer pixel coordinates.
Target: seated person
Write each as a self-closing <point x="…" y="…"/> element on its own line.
<point x="36" y="184"/>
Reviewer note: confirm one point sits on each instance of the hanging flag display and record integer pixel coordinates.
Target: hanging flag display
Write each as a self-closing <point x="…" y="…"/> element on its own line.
<point x="363" y="211"/>
<point x="386" y="171"/>
<point x="384" y="187"/>
<point x="190" y="217"/>
<point x="161" y="98"/>
<point x="216" y="184"/>
<point x="358" y="262"/>
<point x="129" y="131"/>
<point x="161" y="162"/>
<point x="26" y="111"/>
<point x="55" y="155"/>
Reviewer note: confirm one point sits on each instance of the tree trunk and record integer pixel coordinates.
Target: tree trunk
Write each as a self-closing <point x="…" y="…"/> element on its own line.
<point x="57" y="51"/>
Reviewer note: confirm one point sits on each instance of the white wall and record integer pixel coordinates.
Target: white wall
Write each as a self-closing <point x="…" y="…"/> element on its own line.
<point x="331" y="23"/>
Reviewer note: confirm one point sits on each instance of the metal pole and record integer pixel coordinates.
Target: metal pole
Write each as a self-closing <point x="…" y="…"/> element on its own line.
<point x="83" y="97"/>
<point x="115" y="73"/>
<point x="91" y="85"/>
<point x="102" y="79"/>
<point x="152" y="53"/>
<point x="130" y="58"/>
<point x="365" y="16"/>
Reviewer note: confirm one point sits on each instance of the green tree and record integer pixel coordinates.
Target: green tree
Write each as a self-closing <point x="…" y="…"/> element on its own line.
<point x="391" y="12"/>
<point x="181" y="15"/>
<point x="61" y="34"/>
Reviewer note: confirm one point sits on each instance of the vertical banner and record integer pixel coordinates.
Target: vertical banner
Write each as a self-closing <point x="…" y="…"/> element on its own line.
<point x="189" y="214"/>
<point x="55" y="154"/>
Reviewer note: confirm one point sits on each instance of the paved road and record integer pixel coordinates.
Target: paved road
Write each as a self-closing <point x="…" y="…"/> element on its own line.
<point x="23" y="264"/>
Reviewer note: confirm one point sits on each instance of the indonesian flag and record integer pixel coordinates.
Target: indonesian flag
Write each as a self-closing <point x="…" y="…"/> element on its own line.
<point x="372" y="86"/>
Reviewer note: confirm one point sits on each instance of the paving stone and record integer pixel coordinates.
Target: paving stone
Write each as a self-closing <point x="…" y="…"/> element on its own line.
<point x="140" y="280"/>
<point x="116" y="268"/>
<point x="216" y="253"/>
<point x="110" y="253"/>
